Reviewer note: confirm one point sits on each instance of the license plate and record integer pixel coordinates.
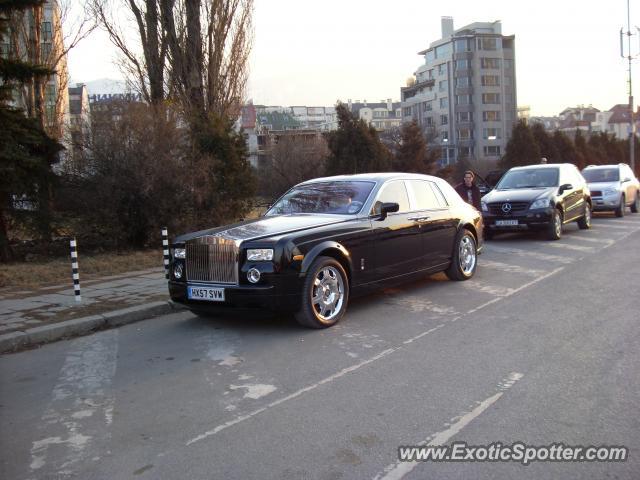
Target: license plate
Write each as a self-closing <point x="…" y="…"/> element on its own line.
<point x="506" y="223"/>
<point x="210" y="294"/>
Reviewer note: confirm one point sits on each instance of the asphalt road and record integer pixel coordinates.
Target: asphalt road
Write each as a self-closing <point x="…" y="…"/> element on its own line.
<point x="542" y="346"/>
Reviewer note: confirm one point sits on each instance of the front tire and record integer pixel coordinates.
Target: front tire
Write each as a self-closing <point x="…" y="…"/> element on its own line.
<point x="620" y="210"/>
<point x="584" y="223"/>
<point x="325" y="294"/>
<point x="465" y="257"/>
<point x="635" y="206"/>
<point x="554" y="231"/>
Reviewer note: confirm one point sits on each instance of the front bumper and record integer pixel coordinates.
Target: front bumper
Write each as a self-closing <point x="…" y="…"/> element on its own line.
<point x="526" y="220"/>
<point x="238" y="297"/>
<point x="601" y="204"/>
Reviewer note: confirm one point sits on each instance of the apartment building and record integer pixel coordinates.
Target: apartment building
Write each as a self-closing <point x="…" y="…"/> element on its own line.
<point x="383" y="115"/>
<point x="464" y="95"/>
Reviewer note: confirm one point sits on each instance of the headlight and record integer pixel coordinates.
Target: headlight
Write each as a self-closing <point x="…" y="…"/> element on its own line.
<point x="179" y="253"/>
<point x="540" y="203"/>
<point x="258" y="254"/>
<point x="484" y="207"/>
<point x="609" y="192"/>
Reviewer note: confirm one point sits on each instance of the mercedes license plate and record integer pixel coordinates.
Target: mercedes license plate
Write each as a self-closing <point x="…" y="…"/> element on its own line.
<point x="506" y="223"/>
<point x="210" y="294"/>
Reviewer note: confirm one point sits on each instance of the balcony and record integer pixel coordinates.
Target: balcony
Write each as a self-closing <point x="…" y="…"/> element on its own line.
<point x="464" y="108"/>
<point x="463" y="72"/>
<point x="413" y="90"/>
<point x="464" y="90"/>
<point x="463" y="55"/>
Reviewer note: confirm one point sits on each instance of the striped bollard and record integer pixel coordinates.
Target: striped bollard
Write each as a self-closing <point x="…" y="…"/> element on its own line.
<point x="165" y="251"/>
<point x="74" y="270"/>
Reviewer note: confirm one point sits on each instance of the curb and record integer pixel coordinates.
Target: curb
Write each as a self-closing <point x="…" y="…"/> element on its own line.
<point x="14" y="341"/>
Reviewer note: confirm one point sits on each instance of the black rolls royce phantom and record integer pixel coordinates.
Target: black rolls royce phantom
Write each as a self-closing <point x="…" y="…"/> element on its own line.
<point x="326" y="240"/>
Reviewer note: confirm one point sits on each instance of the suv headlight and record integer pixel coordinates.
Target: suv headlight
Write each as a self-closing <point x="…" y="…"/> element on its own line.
<point x="260" y="254"/>
<point x="609" y="192"/>
<point x="484" y="207"/>
<point x="179" y="253"/>
<point x="540" y="203"/>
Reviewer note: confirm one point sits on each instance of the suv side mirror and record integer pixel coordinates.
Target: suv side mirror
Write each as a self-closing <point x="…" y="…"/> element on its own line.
<point x="627" y="179"/>
<point x="563" y="188"/>
<point x="388" y="207"/>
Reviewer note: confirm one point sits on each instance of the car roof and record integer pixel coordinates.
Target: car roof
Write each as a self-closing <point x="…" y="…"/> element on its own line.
<point x="373" y="177"/>
<point x="542" y="165"/>
<point x="613" y="165"/>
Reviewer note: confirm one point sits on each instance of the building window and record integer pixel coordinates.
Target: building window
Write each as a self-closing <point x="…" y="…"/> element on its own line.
<point x="490" y="98"/>
<point x="508" y="97"/>
<point x="462" y="82"/>
<point x="406" y="111"/>
<point x="490" y="81"/>
<point x="463" y="45"/>
<point x="507" y="80"/>
<point x="494" y="133"/>
<point x="464" y="134"/>
<point x="45" y="52"/>
<point x="487" y="43"/>
<point x="443" y="50"/>
<point x="492" y="151"/>
<point x="444" y="119"/>
<point x="463" y="64"/>
<point x="463" y="116"/>
<point x="489" y="63"/>
<point x="508" y="64"/>
<point x="463" y="99"/>
<point x="380" y="113"/>
<point x="443" y="86"/>
<point x="428" y="121"/>
<point x="5" y="48"/>
<point x="427" y="106"/>
<point x="444" y="134"/>
<point x="491" y="115"/>
<point x="442" y="69"/>
<point x="47" y="34"/>
<point x="444" y="102"/>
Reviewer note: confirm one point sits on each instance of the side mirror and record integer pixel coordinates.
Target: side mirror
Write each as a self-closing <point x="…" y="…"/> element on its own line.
<point x="626" y="180"/>
<point x="564" y="188"/>
<point x="388" y="207"/>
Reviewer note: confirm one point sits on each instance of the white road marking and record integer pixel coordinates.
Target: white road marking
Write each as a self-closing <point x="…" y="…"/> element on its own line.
<point x="398" y="470"/>
<point x="509" y="268"/>
<point x="623" y="222"/>
<point x="569" y="246"/>
<point x="82" y="391"/>
<point x="611" y="225"/>
<point x="254" y="390"/>
<point x="480" y="286"/>
<point x="531" y="253"/>
<point x="592" y="239"/>
<point x="420" y="304"/>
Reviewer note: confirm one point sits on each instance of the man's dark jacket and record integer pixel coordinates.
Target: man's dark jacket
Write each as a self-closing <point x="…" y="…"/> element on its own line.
<point x="462" y="190"/>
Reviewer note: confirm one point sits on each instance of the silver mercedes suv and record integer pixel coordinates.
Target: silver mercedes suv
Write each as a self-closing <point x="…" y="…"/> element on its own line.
<point x="613" y="187"/>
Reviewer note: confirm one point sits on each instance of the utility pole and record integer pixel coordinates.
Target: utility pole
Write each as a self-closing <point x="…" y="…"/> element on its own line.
<point x="630" y="56"/>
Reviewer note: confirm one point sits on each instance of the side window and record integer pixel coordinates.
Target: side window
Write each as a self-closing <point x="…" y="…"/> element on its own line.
<point x="425" y="197"/>
<point x="392" y="192"/>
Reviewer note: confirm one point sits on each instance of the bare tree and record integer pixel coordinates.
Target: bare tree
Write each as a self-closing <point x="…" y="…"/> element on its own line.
<point x="294" y="159"/>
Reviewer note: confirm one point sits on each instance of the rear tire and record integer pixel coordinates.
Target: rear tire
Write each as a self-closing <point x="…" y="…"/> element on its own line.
<point x="635" y="206"/>
<point x="554" y="230"/>
<point x="584" y="223"/>
<point x="464" y="260"/>
<point x="325" y="294"/>
<point x="621" y="209"/>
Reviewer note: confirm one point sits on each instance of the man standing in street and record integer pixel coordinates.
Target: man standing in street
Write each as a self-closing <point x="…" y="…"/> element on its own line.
<point x="468" y="190"/>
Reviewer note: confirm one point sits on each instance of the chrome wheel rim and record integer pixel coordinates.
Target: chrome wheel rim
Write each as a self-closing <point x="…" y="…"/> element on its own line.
<point x="467" y="255"/>
<point x="587" y="216"/>
<point x="327" y="295"/>
<point x="558" y="224"/>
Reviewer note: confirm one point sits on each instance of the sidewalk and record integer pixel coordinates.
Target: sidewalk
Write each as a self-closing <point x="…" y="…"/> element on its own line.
<point x="28" y="318"/>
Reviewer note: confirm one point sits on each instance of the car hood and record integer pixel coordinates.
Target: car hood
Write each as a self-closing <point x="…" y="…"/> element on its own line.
<point x="266" y="227"/>
<point x="603" y="185"/>
<point x="518" y="195"/>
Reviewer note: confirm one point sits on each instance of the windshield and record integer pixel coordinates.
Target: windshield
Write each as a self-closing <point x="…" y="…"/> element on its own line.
<point x="341" y="198"/>
<point x="529" y="178"/>
<point x="593" y="175"/>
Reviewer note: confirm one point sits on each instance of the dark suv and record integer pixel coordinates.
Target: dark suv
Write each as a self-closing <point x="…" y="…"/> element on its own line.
<point x="538" y="197"/>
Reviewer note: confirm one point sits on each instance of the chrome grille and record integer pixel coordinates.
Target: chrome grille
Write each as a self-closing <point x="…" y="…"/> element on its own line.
<point x="212" y="259"/>
<point x="496" y="208"/>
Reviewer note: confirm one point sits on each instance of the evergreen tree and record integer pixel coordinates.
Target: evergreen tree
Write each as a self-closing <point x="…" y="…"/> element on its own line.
<point x="583" y="157"/>
<point x="522" y="148"/>
<point x="26" y="152"/>
<point x="566" y="149"/>
<point x="412" y="154"/>
<point x="545" y="143"/>
<point x="355" y="147"/>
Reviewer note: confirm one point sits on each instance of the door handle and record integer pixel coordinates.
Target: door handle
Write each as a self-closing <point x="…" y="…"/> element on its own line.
<point x="418" y="219"/>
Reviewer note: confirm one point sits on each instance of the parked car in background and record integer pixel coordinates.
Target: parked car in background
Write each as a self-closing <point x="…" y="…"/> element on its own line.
<point x="326" y="240"/>
<point x="539" y="198"/>
<point x="613" y="187"/>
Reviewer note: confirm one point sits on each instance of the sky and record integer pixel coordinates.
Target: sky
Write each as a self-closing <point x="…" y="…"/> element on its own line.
<point x="317" y="52"/>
